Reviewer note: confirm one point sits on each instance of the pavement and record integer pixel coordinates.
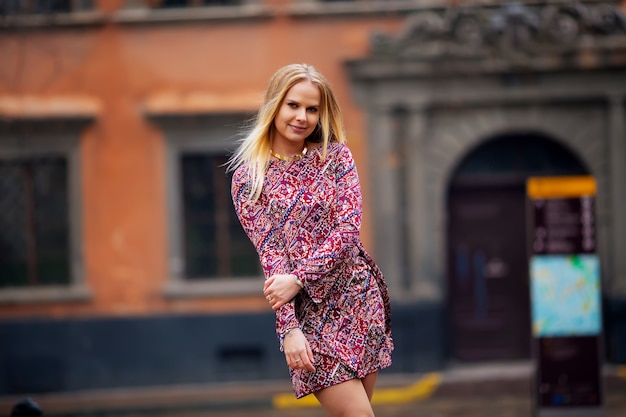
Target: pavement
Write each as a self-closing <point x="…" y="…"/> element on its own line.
<point x="497" y="389"/>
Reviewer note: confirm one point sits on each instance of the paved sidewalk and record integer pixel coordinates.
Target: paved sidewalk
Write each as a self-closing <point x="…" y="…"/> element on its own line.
<point x="499" y="390"/>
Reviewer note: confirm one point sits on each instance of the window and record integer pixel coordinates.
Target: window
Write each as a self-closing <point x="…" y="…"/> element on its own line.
<point x="215" y="245"/>
<point x="34" y="224"/>
<point x="163" y="4"/>
<point x="209" y="253"/>
<point x="44" y="6"/>
<point x="311" y="9"/>
<point x="40" y="217"/>
<point x="146" y="11"/>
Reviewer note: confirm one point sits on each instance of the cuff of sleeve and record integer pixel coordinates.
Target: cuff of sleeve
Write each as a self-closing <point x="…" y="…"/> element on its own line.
<point x="314" y="288"/>
<point x="286" y="321"/>
<point x="283" y="335"/>
<point x="298" y="280"/>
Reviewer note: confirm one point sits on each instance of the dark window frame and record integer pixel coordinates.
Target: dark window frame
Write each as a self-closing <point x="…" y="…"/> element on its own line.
<point x="148" y="12"/>
<point x="205" y="134"/>
<point x="182" y="4"/>
<point x="21" y="139"/>
<point x="46" y="7"/>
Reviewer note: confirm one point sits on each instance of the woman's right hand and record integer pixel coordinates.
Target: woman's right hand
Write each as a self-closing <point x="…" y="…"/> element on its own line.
<point x="297" y="350"/>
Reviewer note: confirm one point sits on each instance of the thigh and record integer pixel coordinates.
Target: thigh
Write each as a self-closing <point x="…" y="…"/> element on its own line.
<point x="368" y="383"/>
<point x="348" y="399"/>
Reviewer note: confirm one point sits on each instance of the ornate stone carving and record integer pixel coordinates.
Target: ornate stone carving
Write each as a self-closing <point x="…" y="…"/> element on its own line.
<point x="513" y="29"/>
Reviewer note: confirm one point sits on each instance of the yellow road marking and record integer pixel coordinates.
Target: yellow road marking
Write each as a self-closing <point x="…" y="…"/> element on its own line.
<point x="422" y="389"/>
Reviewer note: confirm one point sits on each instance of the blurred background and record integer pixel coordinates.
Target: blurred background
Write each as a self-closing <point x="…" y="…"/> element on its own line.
<point x="122" y="264"/>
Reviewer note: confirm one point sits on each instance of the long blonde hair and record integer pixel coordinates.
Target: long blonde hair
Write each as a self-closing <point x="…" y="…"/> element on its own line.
<point x="254" y="148"/>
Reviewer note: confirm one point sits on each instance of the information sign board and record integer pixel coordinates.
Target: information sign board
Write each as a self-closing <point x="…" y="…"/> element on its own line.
<point x="565" y="296"/>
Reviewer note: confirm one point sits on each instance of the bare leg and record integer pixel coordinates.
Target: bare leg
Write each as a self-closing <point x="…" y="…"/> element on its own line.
<point x="368" y="383"/>
<point x="348" y="399"/>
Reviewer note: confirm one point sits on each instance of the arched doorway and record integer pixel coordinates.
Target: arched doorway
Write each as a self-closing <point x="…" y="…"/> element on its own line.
<point x="487" y="284"/>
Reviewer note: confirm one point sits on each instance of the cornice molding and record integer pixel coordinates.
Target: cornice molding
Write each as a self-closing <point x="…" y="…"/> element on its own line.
<point x="513" y="31"/>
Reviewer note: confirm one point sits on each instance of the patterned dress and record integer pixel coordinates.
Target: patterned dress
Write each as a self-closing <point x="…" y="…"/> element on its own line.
<point x="307" y="222"/>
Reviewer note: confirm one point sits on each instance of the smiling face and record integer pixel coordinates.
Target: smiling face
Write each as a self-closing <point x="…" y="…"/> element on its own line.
<point x="296" y="119"/>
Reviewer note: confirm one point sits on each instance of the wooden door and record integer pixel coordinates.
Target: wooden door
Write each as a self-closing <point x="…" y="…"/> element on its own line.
<point x="488" y="291"/>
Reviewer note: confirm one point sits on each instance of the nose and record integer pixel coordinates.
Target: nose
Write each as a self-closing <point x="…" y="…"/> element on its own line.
<point x="301" y="113"/>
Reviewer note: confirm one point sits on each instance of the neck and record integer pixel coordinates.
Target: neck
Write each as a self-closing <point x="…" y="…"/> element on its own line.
<point x="290" y="156"/>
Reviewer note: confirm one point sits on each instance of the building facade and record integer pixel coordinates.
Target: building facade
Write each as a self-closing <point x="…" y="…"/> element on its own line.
<point x="463" y="107"/>
<point x="122" y="261"/>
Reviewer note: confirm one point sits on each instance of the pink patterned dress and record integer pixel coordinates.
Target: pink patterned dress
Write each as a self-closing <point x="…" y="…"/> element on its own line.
<point x="307" y="222"/>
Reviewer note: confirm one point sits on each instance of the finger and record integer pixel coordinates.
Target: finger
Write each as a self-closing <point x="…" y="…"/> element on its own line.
<point x="296" y="363"/>
<point x="277" y="303"/>
<point x="270" y="288"/>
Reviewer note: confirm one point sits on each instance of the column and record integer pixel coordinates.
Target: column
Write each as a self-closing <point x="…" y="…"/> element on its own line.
<point x="385" y="194"/>
<point x="423" y="251"/>
<point x="617" y="151"/>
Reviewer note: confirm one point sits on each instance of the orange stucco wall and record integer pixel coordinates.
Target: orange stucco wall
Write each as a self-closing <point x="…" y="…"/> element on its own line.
<point x="122" y="69"/>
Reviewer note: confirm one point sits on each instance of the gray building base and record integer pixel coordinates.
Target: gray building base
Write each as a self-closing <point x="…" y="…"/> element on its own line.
<point x="615" y="329"/>
<point x="46" y="355"/>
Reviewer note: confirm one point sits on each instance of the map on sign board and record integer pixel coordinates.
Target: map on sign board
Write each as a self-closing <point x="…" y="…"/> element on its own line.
<point x="565" y="290"/>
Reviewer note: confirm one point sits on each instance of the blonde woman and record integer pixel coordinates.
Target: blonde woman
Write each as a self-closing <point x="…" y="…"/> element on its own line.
<point x="296" y="192"/>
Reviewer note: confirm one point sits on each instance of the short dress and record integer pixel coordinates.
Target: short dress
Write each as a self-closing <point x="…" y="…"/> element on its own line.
<point x="306" y="222"/>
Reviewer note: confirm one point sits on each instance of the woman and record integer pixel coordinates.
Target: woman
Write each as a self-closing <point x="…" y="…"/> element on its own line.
<point x="297" y="195"/>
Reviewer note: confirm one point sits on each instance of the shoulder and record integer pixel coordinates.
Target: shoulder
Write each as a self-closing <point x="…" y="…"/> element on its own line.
<point x="339" y="151"/>
<point x="342" y="155"/>
<point x="337" y="157"/>
<point x="241" y="178"/>
<point x="242" y="171"/>
<point x="337" y="147"/>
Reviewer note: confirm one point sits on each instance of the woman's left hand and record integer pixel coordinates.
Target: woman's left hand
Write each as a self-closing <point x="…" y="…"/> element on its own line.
<point x="279" y="289"/>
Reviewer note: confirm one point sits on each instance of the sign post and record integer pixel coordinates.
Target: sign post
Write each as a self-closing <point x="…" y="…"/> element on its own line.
<point x="565" y="297"/>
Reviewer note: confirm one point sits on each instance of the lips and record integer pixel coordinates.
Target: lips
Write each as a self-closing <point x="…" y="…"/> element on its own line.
<point x="298" y="129"/>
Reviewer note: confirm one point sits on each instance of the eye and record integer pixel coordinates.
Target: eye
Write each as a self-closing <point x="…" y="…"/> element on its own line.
<point x="313" y="109"/>
<point x="292" y="105"/>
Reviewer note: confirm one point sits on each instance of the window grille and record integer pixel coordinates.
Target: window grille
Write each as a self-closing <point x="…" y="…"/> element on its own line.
<point x="34" y="221"/>
<point x="8" y="7"/>
<point x="165" y="4"/>
<point x="215" y="245"/>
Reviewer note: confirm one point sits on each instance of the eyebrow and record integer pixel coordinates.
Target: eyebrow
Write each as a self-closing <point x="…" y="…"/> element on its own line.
<point x="291" y="100"/>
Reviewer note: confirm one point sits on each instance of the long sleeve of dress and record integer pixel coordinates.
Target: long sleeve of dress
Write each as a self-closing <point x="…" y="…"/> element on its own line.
<point x="344" y="235"/>
<point x="263" y="236"/>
